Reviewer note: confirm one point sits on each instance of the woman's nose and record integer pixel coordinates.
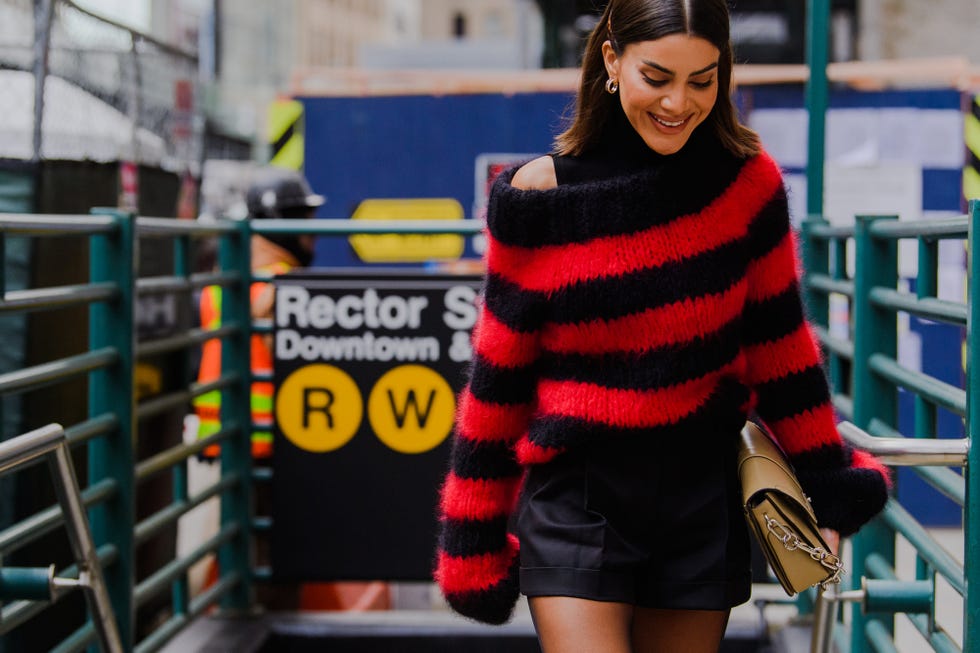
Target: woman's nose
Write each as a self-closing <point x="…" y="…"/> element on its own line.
<point x="674" y="99"/>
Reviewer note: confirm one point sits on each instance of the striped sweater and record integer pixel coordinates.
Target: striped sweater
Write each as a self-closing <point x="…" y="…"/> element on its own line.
<point x="663" y="302"/>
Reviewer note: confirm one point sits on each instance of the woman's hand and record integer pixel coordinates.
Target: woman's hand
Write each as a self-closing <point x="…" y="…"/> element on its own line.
<point x="833" y="539"/>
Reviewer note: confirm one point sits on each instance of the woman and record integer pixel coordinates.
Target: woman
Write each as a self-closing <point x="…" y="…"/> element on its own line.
<point x="641" y="301"/>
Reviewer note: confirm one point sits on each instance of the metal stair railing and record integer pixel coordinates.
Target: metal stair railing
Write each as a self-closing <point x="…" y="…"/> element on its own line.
<point x="866" y="376"/>
<point x="39" y="583"/>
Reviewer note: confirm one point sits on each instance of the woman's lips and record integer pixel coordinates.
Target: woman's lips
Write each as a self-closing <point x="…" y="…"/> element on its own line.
<point x="669" y="123"/>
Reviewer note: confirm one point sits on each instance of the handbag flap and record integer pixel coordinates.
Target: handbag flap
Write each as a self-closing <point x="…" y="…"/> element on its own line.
<point x="794" y="569"/>
<point x="763" y="468"/>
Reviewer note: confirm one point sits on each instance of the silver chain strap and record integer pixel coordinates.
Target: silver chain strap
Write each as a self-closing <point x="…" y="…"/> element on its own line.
<point x="792" y="542"/>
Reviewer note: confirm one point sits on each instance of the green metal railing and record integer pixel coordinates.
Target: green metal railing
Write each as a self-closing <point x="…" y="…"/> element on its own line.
<point x="867" y="376"/>
<point x="110" y="432"/>
<point x="861" y="358"/>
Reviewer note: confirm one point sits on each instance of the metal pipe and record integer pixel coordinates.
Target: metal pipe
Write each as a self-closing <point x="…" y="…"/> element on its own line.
<point x="944" y="394"/>
<point x="30" y="446"/>
<point x="908" y="451"/>
<point x="828" y="284"/>
<point x="25" y="224"/>
<point x="163" y="227"/>
<point x="80" y="537"/>
<point x="941" y="310"/>
<point x="43" y="17"/>
<point x="46" y="373"/>
<point x="32" y="528"/>
<point x="347" y="227"/>
<point x="57" y="297"/>
<point x="824" y="616"/>
<point x="955" y="227"/>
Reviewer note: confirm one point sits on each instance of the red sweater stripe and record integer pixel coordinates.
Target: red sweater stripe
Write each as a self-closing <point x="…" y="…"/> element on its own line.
<point x="773" y="273"/>
<point x="474" y="573"/>
<point x="531" y="453"/>
<point x="551" y="267"/>
<point x="480" y="420"/>
<point x="687" y="320"/>
<point x="864" y="460"/>
<point x="626" y="408"/>
<point x="501" y="345"/>
<point x="478" y="499"/>
<point x="808" y="430"/>
<point x="788" y="355"/>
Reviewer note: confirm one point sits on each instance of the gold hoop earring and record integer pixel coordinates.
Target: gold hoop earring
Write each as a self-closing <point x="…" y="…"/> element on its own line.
<point x="612" y="86"/>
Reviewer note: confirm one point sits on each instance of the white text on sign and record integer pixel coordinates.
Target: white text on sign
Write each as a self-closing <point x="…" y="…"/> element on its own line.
<point x="298" y="310"/>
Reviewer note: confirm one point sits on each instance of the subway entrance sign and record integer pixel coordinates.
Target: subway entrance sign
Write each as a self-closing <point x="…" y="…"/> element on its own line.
<point x="367" y="368"/>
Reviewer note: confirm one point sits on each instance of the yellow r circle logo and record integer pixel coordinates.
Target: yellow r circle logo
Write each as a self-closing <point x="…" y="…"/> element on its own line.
<point x="319" y="408"/>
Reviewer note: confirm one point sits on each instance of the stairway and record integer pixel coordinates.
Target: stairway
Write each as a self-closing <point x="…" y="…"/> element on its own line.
<point x="395" y="631"/>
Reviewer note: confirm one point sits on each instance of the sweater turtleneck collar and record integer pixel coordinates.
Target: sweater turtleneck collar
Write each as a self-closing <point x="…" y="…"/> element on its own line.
<point x="622" y="151"/>
<point x="621" y="141"/>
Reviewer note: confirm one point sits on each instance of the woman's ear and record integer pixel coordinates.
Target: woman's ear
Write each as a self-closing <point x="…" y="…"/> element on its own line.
<point x="610" y="59"/>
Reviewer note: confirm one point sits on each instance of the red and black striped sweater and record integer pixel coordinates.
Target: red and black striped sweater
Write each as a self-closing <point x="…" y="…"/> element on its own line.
<point x="663" y="302"/>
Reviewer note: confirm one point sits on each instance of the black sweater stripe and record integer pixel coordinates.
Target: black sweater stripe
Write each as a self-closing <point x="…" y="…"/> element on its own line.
<point x="770" y="227"/>
<point x="501" y="385"/>
<point x="773" y="318"/>
<point x="707" y="273"/>
<point x="722" y="413"/>
<point x="461" y="538"/>
<point x="520" y="310"/>
<point x="483" y="460"/>
<point x="568" y="213"/>
<point x="792" y="394"/>
<point x="658" y="368"/>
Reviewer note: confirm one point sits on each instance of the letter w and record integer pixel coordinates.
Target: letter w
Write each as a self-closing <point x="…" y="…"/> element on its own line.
<point x="410" y="400"/>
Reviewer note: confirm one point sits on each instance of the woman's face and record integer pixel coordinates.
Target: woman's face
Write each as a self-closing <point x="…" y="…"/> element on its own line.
<point x="667" y="87"/>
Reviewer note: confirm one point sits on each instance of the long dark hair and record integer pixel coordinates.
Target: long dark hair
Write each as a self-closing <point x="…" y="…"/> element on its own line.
<point x="631" y="21"/>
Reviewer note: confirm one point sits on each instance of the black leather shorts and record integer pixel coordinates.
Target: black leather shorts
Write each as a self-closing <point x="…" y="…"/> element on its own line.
<point x="636" y="521"/>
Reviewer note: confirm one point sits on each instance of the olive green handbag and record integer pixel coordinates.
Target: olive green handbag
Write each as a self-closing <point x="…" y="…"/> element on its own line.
<point x="780" y="516"/>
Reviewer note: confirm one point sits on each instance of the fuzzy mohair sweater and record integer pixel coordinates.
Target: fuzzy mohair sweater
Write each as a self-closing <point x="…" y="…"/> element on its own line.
<point x="663" y="301"/>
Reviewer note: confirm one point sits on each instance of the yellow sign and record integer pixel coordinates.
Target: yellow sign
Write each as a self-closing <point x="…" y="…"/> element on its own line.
<point x="971" y="172"/>
<point x="319" y="408"/>
<point x="285" y="134"/>
<point x="411" y="409"/>
<point x="412" y="248"/>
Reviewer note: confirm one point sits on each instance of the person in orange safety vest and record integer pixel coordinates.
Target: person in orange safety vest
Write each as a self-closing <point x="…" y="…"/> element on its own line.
<point x="273" y="193"/>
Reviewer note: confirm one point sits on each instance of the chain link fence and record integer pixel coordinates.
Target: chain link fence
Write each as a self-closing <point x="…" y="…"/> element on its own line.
<point x="110" y="93"/>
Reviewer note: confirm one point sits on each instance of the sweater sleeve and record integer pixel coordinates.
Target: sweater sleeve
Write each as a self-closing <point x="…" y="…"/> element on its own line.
<point x="477" y="559"/>
<point x="847" y="487"/>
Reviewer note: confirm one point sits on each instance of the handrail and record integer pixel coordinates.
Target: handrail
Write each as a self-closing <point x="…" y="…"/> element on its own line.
<point x="50" y="442"/>
<point x="348" y="227"/>
<point x="908" y="451"/>
<point x="55" y="225"/>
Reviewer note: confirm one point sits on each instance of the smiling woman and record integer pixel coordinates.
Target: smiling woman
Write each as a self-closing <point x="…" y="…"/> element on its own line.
<point x="667" y="87"/>
<point x="641" y="302"/>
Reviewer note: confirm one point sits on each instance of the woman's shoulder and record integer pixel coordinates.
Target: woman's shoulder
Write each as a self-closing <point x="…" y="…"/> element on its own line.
<point x="537" y="174"/>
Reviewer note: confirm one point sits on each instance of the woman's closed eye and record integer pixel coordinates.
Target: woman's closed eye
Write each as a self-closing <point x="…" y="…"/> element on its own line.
<point x="660" y="83"/>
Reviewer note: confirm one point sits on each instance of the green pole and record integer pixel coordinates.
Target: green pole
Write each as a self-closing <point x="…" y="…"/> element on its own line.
<point x="180" y="592"/>
<point x="817" y="39"/>
<point x="816" y="260"/>
<point x="113" y="258"/>
<point x="971" y="517"/>
<point x="875" y="332"/>
<point x="236" y="451"/>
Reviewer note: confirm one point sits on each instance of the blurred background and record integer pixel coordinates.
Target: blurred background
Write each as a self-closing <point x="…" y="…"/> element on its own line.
<point x="189" y="87"/>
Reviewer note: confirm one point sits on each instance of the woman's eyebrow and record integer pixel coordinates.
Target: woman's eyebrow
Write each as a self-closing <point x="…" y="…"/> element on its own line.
<point x="668" y="71"/>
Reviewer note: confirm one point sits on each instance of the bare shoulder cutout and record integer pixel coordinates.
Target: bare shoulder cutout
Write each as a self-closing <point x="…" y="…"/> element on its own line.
<point x="538" y="174"/>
